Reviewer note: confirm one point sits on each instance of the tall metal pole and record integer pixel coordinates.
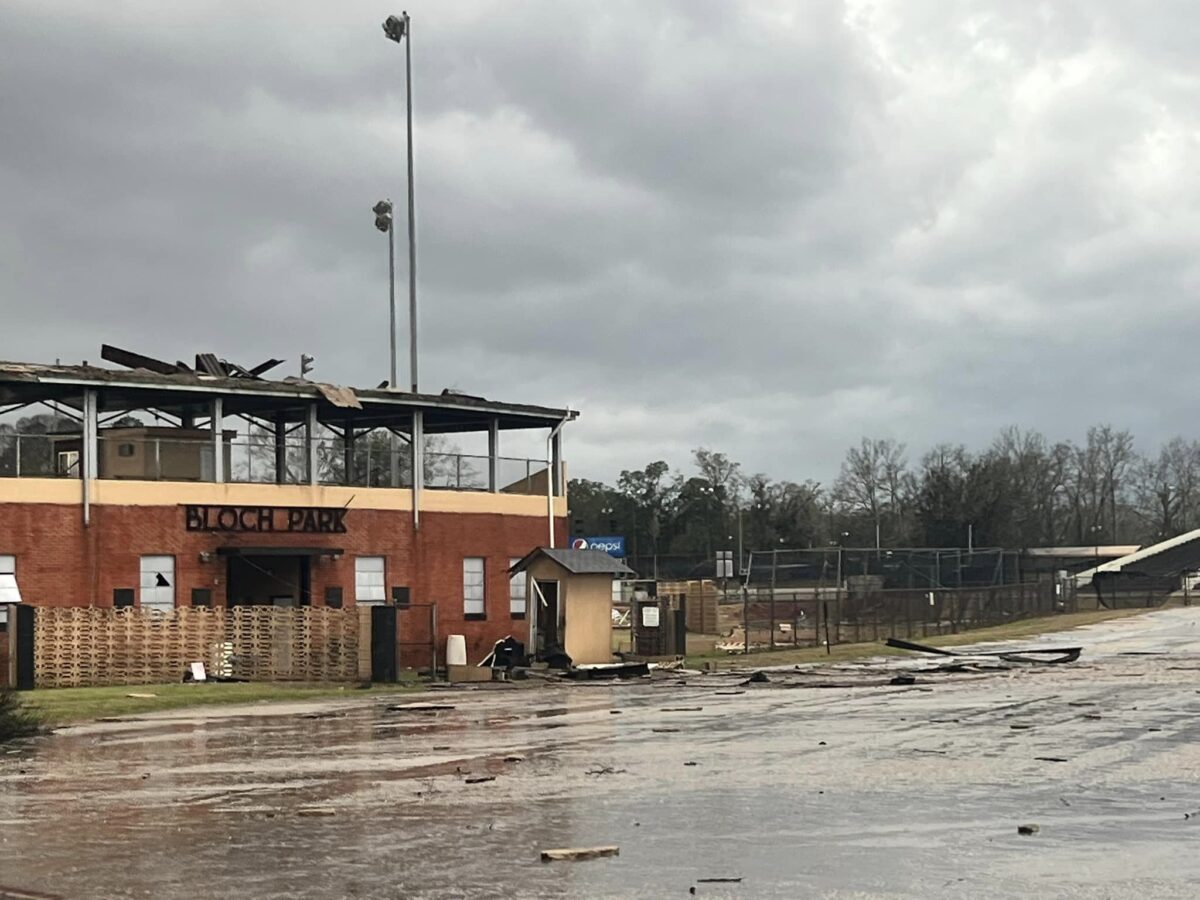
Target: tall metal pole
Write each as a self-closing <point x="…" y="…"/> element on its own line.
<point x="392" y="297"/>
<point x="412" y="214"/>
<point x="393" y="455"/>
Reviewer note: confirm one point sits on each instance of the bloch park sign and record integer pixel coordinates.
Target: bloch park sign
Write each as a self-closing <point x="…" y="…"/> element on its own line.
<point x="266" y="519"/>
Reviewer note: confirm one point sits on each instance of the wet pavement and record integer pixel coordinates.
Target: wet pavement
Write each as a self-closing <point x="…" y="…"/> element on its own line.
<point x="876" y="790"/>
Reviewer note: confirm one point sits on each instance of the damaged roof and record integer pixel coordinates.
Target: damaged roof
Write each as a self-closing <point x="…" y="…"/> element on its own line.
<point x="577" y="562"/>
<point x="22" y="382"/>
<point x="1173" y="556"/>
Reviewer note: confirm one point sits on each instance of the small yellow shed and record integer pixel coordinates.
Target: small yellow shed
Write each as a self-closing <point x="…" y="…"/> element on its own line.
<point x="570" y="595"/>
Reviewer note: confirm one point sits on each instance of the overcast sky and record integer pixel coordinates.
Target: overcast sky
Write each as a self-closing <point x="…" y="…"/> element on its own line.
<point x="765" y="228"/>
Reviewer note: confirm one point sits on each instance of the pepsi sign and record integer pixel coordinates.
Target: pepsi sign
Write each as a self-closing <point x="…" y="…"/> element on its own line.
<point x="612" y="545"/>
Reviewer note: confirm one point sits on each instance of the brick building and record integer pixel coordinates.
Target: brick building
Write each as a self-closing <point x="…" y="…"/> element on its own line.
<point x="246" y="491"/>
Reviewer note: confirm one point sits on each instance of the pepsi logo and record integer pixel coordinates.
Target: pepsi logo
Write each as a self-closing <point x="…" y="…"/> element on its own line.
<point x="579" y="544"/>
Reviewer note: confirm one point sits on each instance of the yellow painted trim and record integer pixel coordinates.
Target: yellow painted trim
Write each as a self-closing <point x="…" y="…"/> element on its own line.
<point x="41" y="490"/>
<point x="173" y="493"/>
<point x="481" y="502"/>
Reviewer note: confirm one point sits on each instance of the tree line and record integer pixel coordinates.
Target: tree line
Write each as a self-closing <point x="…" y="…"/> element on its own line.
<point x="1022" y="491"/>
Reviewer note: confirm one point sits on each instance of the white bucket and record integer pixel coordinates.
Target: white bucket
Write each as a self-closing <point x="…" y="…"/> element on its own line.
<point x="456" y="650"/>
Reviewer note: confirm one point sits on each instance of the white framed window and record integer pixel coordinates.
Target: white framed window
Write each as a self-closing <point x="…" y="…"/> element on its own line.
<point x="516" y="590"/>
<point x="68" y="462"/>
<point x="369" y="580"/>
<point x="9" y="592"/>
<point x="158" y="583"/>
<point x="473" y="593"/>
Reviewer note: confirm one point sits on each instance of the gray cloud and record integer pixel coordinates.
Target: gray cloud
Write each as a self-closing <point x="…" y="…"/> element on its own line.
<point x="768" y="228"/>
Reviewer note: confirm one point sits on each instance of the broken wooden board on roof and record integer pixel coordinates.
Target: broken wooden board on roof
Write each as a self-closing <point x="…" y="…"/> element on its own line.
<point x="342" y="397"/>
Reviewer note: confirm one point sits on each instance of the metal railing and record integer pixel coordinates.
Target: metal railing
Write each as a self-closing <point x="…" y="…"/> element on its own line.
<point x="35" y="456"/>
<point x="259" y="460"/>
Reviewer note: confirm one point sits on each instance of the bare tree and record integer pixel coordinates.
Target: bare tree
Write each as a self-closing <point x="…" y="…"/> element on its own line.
<point x="874" y="481"/>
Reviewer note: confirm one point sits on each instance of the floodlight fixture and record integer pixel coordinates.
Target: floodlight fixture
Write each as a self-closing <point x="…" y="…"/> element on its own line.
<point x="396" y="27"/>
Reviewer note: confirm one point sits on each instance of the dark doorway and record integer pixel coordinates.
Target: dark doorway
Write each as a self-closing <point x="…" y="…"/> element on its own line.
<point x="284" y="581"/>
<point x="546" y="599"/>
<point x="383" y="643"/>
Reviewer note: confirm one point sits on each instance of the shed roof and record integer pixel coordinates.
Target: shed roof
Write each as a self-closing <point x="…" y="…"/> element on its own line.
<point x="577" y="562"/>
<point x="1090" y="551"/>
<point x="1170" y="557"/>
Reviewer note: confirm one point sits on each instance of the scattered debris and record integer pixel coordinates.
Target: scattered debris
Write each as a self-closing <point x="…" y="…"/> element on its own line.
<point x="1020" y="726"/>
<point x="597" y="671"/>
<point x="571" y="853"/>
<point x="917" y="648"/>
<point x="682" y="708"/>
<point x="309" y="812"/>
<point x="1033" y="655"/>
<point x="614" y="712"/>
<point x="903" y="679"/>
<point x="1051" y="758"/>
<point x="514" y="758"/>
<point x="727" y="693"/>
<point x="442" y="747"/>
<point x="605" y="770"/>
<point x="420" y="707"/>
<point x="691" y="763"/>
<point x="759" y="677"/>
<point x="141" y="695"/>
<point x="1092" y="716"/>
<point x="12" y="893"/>
<point x="737" y="880"/>
<point x="1192" y="815"/>
<point x="664" y="730"/>
<point x="479" y="779"/>
<point x="1028" y="829"/>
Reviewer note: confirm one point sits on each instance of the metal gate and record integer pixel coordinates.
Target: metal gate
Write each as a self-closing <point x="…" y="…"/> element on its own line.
<point x="417" y="636"/>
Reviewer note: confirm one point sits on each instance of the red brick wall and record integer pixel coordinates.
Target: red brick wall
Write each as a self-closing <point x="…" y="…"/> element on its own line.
<point x="61" y="563"/>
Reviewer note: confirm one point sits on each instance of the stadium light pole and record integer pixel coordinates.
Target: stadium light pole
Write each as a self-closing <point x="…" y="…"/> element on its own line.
<point x="396" y="28"/>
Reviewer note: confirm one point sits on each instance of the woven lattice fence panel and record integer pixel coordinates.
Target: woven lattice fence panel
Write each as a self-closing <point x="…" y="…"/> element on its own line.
<point x="76" y="646"/>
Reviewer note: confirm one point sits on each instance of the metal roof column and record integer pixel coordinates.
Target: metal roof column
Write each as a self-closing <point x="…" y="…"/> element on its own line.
<point x="418" y="465"/>
<point x="280" y="448"/>
<point x="310" y="441"/>
<point x="556" y="463"/>
<point x="493" y="455"/>
<point x="89" y="466"/>
<point x="216" y="425"/>
<point x="348" y="451"/>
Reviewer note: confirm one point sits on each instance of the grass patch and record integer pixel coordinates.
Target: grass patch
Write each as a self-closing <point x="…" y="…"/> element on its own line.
<point x="61" y="706"/>
<point x="841" y="652"/>
<point x="16" y="719"/>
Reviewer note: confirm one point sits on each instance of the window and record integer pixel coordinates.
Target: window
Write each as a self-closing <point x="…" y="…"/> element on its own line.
<point x="516" y="591"/>
<point x="473" y="606"/>
<point x="68" y="462"/>
<point x="368" y="580"/>
<point x="9" y="592"/>
<point x="125" y="450"/>
<point x="158" y="583"/>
